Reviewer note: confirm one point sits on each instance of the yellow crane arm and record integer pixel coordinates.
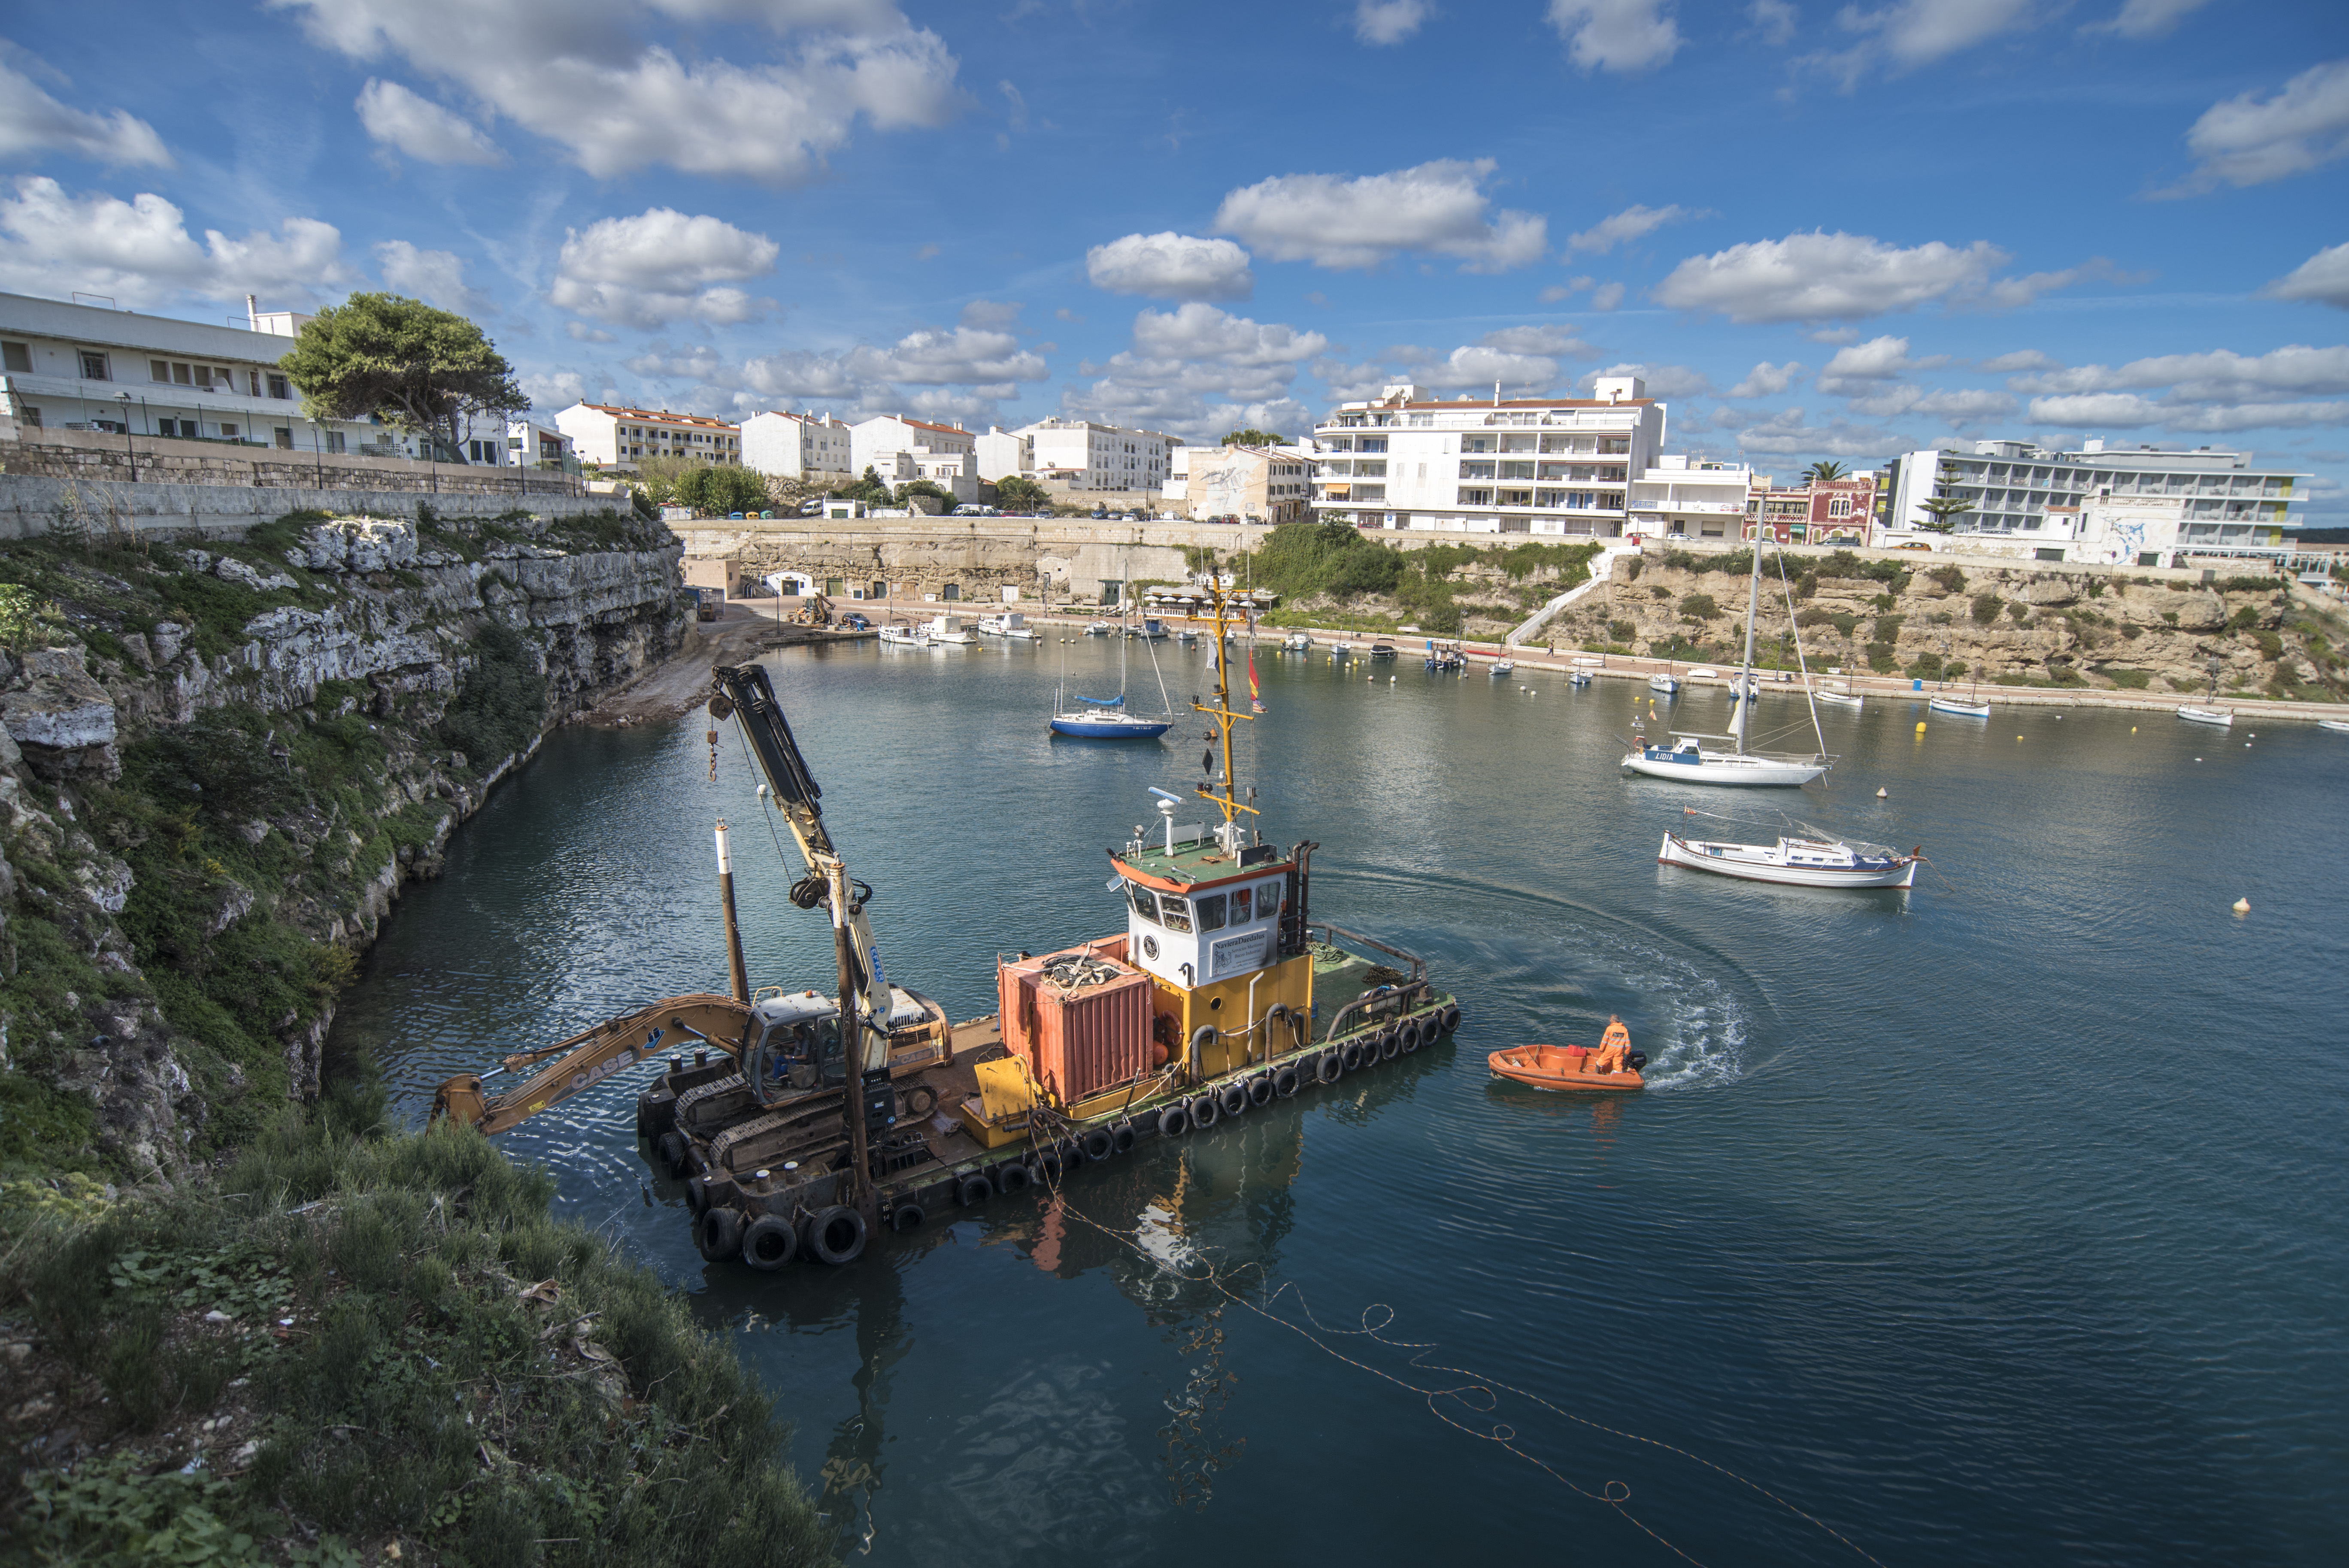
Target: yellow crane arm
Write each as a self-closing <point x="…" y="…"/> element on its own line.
<point x="588" y="1058"/>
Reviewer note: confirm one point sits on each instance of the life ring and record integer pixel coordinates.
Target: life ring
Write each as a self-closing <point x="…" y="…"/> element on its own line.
<point x="1232" y="1100"/>
<point x="1286" y="1082"/>
<point x="1452" y="1018"/>
<point x="719" y="1234"/>
<point x="1349" y="1055"/>
<point x="1123" y="1135"/>
<point x="836" y="1235"/>
<point x="974" y="1188"/>
<point x="1013" y="1177"/>
<point x="1636" y="1061"/>
<point x="1099" y="1144"/>
<point x="770" y="1241"/>
<point x="1202" y="1037"/>
<point x="1328" y="1065"/>
<point x="907" y="1217"/>
<point x="1174" y="1121"/>
<point x="1259" y="1090"/>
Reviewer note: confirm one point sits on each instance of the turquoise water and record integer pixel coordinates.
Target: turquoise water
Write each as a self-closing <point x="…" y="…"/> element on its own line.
<point x="2002" y="1219"/>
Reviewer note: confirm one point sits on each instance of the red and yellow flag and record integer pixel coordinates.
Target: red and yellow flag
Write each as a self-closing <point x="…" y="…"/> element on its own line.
<point x="1256" y="696"/>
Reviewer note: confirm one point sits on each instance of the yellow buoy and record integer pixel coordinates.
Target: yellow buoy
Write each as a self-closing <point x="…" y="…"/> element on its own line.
<point x="1920" y="727"/>
<point x="2132" y="729"/>
<point x="2242" y="906"/>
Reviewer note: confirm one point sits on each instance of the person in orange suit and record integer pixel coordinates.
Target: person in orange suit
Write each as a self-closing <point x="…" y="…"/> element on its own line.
<point x="1612" y="1046"/>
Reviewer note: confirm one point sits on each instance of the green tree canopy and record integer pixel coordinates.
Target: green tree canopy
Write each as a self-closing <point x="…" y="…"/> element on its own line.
<point x="871" y="490"/>
<point x="1252" y="437"/>
<point x="714" y="490"/>
<point x="912" y="487"/>
<point x="1016" y="492"/>
<point x="419" y="369"/>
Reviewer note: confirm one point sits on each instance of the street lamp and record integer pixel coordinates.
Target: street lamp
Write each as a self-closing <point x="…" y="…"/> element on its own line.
<point x="129" y="450"/>
<point x="317" y="453"/>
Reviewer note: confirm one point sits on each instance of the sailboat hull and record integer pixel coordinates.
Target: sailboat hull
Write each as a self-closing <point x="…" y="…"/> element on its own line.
<point x="1777" y="863"/>
<point x="1092" y="727"/>
<point x="1719" y="768"/>
<point x="1962" y="709"/>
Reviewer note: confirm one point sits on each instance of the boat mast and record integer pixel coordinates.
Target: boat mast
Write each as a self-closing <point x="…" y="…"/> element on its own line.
<point x="1228" y="801"/>
<point x="1746" y="676"/>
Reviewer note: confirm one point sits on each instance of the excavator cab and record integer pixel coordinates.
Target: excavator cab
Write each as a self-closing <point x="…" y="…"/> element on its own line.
<point x="796" y="1041"/>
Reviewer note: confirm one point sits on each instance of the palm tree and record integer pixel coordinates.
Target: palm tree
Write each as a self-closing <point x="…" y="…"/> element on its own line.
<point x="1825" y="469"/>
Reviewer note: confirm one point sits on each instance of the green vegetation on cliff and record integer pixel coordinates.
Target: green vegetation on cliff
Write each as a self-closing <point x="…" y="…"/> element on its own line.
<point x="1328" y="572"/>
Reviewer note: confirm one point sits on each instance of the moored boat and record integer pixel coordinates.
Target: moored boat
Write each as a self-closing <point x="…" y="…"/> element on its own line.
<point x="1297" y="643"/>
<point x="1663" y="681"/>
<point x="1686" y="761"/>
<point x="1941" y="702"/>
<point x="1504" y="666"/>
<point x="897" y="633"/>
<point x="1796" y="862"/>
<point x="1830" y="695"/>
<point x="2338" y="727"/>
<point x="2217" y="716"/>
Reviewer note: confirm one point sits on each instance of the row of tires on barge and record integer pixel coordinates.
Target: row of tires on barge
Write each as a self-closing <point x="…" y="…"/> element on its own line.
<point x="836" y="1234"/>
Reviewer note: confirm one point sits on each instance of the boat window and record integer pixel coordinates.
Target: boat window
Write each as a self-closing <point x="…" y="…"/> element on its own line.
<point x="1211" y="912"/>
<point x="1146" y="902"/>
<point x="1242" y="900"/>
<point x="1174" y="912"/>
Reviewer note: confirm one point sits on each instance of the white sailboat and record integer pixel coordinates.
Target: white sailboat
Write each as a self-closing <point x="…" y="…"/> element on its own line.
<point x="1970" y="706"/>
<point x="2213" y="714"/>
<point x="1688" y="762"/>
<point x="1105" y="717"/>
<point x="1794" y="863"/>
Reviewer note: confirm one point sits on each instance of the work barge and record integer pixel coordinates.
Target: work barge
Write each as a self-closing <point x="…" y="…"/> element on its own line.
<point x="1220" y="996"/>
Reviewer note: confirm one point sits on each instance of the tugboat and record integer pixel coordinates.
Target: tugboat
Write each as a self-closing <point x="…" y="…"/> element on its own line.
<point x="1219" y="996"/>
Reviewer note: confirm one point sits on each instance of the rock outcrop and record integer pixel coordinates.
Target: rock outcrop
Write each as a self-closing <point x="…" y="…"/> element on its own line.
<point x="229" y="760"/>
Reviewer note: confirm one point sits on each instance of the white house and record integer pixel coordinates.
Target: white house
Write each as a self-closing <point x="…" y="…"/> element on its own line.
<point x="1488" y="465"/>
<point x="799" y="447"/>
<point x="1700" y="498"/>
<point x="1100" y="457"/>
<point x="614" y="436"/>
<point x="898" y="449"/>
<point x="2143" y="506"/>
<point x="1003" y="453"/>
<point x="91" y="367"/>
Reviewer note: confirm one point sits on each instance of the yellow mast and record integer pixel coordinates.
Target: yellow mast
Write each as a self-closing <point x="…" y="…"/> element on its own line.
<point x="1219" y="606"/>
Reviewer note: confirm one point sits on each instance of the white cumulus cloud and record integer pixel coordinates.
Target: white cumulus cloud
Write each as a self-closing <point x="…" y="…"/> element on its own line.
<point x="1622" y="36"/>
<point x="1438" y="208"/>
<point x="436" y="277"/>
<point x="585" y="74"/>
<point x="1171" y="266"/>
<point x="660" y="266"/>
<point x="1767" y="380"/>
<point x="1909" y="34"/>
<point x="139" y="252"/>
<point x="2323" y="278"/>
<point x="2219" y="391"/>
<point x="1819" y="277"/>
<point x="2250" y="140"/>
<point x="422" y="129"/>
<point x="2146" y="19"/>
<point x="31" y="122"/>
<point x="1388" y="21"/>
<point x="1199" y="371"/>
<point x="1661" y="380"/>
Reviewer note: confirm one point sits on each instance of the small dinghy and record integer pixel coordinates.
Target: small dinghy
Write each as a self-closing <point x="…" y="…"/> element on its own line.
<point x="2338" y="727"/>
<point x="1613" y="1066"/>
<point x="1504" y="666"/>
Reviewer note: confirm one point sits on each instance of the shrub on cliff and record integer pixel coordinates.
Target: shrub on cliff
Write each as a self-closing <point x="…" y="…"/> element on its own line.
<point x="1985" y="608"/>
<point x="503" y="702"/>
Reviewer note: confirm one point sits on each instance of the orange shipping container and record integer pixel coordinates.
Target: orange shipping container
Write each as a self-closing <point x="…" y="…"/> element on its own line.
<point x="1077" y="1039"/>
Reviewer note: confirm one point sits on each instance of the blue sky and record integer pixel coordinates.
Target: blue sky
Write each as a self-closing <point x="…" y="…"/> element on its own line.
<point x="1825" y="232"/>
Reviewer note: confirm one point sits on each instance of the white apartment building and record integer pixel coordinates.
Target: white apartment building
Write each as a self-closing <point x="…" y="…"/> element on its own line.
<point x="1697" y="498"/>
<point x="91" y="368"/>
<point x="528" y="445"/>
<point x="799" y="447"/>
<point x="1100" y="457"/>
<point x="1003" y="453"/>
<point x="1254" y="484"/>
<point x="1532" y="465"/>
<point x="614" y="436"/>
<point x="898" y="449"/>
<point x="2143" y="506"/>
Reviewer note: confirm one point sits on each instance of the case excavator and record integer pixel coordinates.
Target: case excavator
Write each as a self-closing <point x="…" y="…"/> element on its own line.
<point x="781" y="1061"/>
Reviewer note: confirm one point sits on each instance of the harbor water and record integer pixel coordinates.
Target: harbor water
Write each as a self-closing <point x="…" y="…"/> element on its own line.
<point x="2003" y="1220"/>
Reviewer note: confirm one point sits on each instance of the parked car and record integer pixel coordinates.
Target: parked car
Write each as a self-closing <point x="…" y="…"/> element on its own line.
<point x="857" y="621"/>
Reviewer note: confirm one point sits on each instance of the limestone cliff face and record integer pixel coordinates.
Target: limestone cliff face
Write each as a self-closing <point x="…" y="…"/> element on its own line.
<point x="216" y="780"/>
<point x="2009" y="624"/>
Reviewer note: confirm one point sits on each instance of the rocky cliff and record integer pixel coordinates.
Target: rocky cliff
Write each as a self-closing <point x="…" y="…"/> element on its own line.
<point x="2014" y="626"/>
<point x="218" y="762"/>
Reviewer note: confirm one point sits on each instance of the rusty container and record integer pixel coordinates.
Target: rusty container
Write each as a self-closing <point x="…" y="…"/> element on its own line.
<point x="1077" y="1040"/>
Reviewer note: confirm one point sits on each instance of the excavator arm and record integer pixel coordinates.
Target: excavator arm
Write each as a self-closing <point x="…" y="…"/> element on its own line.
<point x="745" y="692"/>
<point x="571" y="1066"/>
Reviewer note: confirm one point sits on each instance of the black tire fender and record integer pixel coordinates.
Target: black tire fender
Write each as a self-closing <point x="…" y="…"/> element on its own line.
<point x="1232" y="1100"/>
<point x="770" y="1242"/>
<point x="1259" y="1090"/>
<point x="974" y="1189"/>
<point x="697" y="1197"/>
<point x="1013" y="1177"/>
<point x="1205" y="1111"/>
<point x="906" y="1216"/>
<point x="719" y="1234"/>
<point x="835" y="1235"/>
<point x="1051" y="1167"/>
<point x="1417" y="1034"/>
<point x="1452" y="1018"/>
<point x="672" y="1151"/>
<point x="1122" y="1136"/>
<point x="1391" y="1044"/>
<point x="1175" y="1121"/>
<point x="1349" y="1055"/>
<point x="1286" y="1082"/>
<point x="1329" y="1065"/>
<point x="1099" y="1144"/>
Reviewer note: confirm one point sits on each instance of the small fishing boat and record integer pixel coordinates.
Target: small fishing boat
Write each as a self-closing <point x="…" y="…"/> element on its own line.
<point x="1383" y="650"/>
<point x="1614" y="1066"/>
<point x="900" y="634"/>
<point x="949" y="631"/>
<point x="2338" y="727"/>
<point x="1663" y="681"/>
<point x="1445" y="658"/>
<point x="1297" y="643"/>
<point x="1099" y="629"/>
<point x="2217" y="715"/>
<point x="1011" y="623"/>
<point x="1341" y="647"/>
<point x="1504" y="666"/>
<point x="1838" y="698"/>
<point x="1580" y="677"/>
<point x="1942" y="702"/>
<point x="1797" y="863"/>
<point x="1187" y="636"/>
<point x="1149" y="629"/>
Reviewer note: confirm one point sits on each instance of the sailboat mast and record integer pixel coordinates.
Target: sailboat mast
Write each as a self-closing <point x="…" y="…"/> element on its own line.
<point x="1746" y="676"/>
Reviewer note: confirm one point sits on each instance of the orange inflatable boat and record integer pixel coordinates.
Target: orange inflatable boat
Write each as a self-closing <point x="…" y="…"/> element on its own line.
<point x="1614" y="1066"/>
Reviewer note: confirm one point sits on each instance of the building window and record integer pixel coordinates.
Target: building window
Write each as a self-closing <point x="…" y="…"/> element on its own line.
<point x="17" y="357"/>
<point x="284" y="438"/>
<point x="93" y="367"/>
